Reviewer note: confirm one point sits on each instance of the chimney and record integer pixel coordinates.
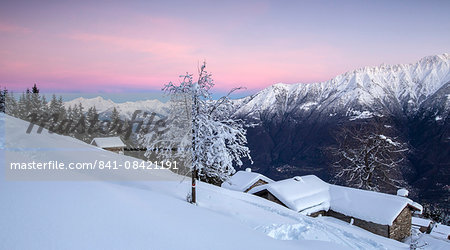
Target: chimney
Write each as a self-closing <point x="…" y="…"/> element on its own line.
<point x="298" y="178"/>
<point x="248" y="170"/>
<point x="402" y="192"/>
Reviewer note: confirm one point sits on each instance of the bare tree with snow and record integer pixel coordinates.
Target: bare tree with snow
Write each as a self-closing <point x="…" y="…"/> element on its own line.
<point x="170" y="139"/>
<point x="366" y="156"/>
<point x="214" y="141"/>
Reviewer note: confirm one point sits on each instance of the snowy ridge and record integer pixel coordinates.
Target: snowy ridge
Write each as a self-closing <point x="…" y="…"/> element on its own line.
<point x="125" y="109"/>
<point x="98" y="102"/>
<point x="366" y="89"/>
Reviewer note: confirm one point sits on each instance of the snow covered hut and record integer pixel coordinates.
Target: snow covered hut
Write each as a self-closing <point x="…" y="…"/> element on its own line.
<point x="423" y="225"/>
<point x="245" y="180"/>
<point x="441" y="231"/>
<point x="114" y="144"/>
<point x="307" y="194"/>
<point x="382" y="214"/>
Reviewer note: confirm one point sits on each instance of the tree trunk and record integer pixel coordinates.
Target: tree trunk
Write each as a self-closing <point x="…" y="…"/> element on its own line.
<point x="194" y="176"/>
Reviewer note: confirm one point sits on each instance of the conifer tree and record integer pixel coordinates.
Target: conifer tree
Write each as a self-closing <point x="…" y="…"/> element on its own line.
<point x="78" y="122"/>
<point x="92" y="123"/>
<point x="57" y="113"/>
<point x="35" y="90"/>
<point x="3" y="95"/>
<point x="53" y="106"/>
<point x="44" y="105"/>
<point x="23" y="106"/>
<point x="35" y="101"/>
<point x="11" y="106"/>
<point x="115" y="124"/>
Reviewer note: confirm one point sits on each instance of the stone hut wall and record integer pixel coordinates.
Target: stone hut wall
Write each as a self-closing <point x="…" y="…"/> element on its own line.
<point x="115" y="150"/>
<point x="375" y="228"/>
<point x="267" y="195"/>
<point x="258" y="183"/>
<point x="401" y="227"/>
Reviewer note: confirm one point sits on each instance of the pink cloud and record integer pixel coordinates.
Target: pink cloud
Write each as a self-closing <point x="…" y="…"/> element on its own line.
<point x="156" y="48"/>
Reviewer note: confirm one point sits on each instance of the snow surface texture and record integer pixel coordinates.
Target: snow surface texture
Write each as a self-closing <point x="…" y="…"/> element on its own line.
<point x="309" y="194"/>
<point x="108" y="142"/>
<point x="242" y="180"/>
<point x="149" y="215"/>
<point x="358" y="94"/>
<point x="427" y="241"/>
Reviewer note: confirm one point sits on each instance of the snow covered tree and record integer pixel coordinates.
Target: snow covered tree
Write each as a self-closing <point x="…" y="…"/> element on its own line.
<point x="57" y="114"/>
<point x="65" y="123"/>
<point x="368" y="157"/>
<point x="35" y="101"/>
<point x="11" y="106"/>
<point x="214" y="140"/>
<point x="24" y="106"/>
<point x="3" y="94"/>
<point x="54" y="106"/>
<point x="92" y="122"/>
<point x="44" y="105"/>
<point x="170" y="138"/>
<point x="115" y="124"/>
<point x="79" y="122"/>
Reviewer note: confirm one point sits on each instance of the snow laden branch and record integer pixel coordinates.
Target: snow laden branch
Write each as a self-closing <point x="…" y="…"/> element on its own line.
<point x="366" y="157"/>
<point x="200" y="130"/>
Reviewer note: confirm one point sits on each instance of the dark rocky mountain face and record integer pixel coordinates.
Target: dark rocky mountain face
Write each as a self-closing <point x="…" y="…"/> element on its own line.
<point x="292" y="125"/>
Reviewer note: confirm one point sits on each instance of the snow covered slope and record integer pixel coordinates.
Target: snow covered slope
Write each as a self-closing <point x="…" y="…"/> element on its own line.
<point x="366" y="91"/>
<point x="146" y="215"/>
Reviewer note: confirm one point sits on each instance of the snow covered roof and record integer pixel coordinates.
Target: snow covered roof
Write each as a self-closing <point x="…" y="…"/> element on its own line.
<point x="371" y="206"/>
<point x="108" y="142"/>
<point x="242" y="180"/>
<point x="306" y="194"/>
<point x="309" y="194"/>
<point x="420" y="222"/>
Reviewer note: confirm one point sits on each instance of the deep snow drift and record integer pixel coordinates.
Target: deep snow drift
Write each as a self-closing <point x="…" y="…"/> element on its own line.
<point x="146" y="215"/>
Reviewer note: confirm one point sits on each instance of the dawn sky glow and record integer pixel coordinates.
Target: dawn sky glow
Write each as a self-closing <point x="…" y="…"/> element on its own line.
<point x="117" y="46"/>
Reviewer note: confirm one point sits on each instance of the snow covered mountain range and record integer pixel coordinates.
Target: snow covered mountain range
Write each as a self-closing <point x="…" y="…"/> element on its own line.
<point x="126" y="109"/>
<point x="359" y="93"/>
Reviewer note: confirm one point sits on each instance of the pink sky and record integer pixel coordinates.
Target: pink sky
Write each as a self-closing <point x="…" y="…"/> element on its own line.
<point x="140" y="45"/>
